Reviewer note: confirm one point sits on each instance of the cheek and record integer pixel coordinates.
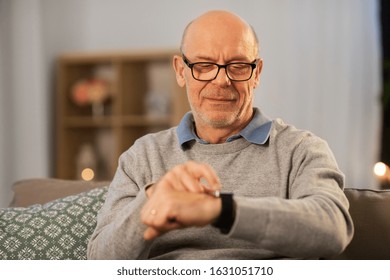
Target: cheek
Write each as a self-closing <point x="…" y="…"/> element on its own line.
<point x="194" y="89"/>
<point x="192" y="94"/>
<point x="245" y="92"/>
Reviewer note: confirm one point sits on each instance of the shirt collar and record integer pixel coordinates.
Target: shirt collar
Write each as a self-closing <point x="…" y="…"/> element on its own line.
<point x="257" y="131"/>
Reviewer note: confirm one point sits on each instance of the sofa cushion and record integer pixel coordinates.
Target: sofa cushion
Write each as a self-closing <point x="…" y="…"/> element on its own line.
<point x="41" y="190"/>
<point x="370" y="212"/>
<point x="59" y="229"/>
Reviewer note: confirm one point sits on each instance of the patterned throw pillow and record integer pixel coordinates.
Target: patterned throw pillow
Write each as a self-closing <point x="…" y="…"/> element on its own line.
<point x="56" y="230"/>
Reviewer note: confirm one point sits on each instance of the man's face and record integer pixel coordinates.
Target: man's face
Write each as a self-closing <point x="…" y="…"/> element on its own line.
<point x="221" y="102"/>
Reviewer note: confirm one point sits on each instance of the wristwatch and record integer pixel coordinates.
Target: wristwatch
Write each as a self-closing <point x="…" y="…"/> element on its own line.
<point x="226" y="219"/>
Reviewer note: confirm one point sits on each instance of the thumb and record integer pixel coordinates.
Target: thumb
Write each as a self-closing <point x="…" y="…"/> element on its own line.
<point x="151" y="233"/>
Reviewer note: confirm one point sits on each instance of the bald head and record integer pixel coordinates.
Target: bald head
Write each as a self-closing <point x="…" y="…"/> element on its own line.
<point x="220" y="25"/>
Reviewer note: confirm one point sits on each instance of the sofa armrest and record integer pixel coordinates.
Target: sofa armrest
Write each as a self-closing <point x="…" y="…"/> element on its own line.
<point x="42" y="190"/>
<point x="370" y="211"/>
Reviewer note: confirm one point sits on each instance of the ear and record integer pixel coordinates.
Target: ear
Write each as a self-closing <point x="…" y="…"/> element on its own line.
<point x="257" y="73"/>
<point x="178" y="66"/>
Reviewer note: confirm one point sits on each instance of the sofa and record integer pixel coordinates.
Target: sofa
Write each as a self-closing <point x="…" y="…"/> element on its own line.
<point x="54" y="219"/>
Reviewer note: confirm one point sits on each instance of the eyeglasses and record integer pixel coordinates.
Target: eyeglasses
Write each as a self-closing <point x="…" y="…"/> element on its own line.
<point x="208" y="71"/>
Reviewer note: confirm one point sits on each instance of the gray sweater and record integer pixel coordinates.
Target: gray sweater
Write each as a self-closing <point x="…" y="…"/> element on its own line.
<point x="288" y="193"/>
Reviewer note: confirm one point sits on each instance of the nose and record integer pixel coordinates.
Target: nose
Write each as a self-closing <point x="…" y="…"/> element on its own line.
<point x="222" y="79"/>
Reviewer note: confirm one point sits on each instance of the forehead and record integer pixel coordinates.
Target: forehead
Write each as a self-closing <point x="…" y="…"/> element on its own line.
<point x="216" y="37"/>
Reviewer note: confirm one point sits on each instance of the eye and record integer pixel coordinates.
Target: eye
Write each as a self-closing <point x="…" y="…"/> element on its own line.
<point x="204" y="67"/>
<point x="238" y="68"/>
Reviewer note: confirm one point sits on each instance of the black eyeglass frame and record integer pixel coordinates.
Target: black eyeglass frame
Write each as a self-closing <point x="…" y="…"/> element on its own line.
<point x="191" y="66"/>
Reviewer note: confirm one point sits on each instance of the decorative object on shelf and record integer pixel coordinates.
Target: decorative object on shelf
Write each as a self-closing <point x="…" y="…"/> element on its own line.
<point x="86" y="163"/>
<point x="93" y="92"/>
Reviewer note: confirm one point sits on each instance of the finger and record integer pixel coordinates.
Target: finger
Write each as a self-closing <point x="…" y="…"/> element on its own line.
<point x="184" y="177"/>
<point x="159" y="215"/>
<point x="154" y="231"/>
<point x="187" y="181"/>
<point x="182" y="180"/>
<point x="151" y="233"/>
<point x="205" y="171"/>
<point x="152" y="215"/>
<point x="190" y="176"/>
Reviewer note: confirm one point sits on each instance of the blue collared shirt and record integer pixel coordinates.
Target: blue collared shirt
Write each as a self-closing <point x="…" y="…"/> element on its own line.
<point x="257" y="131"/>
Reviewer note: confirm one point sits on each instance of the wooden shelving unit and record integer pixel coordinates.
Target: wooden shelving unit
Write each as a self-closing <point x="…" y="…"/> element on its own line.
<point x="129" y="113"/>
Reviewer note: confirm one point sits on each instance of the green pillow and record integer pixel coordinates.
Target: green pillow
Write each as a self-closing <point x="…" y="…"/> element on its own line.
<point x="59" y="229"/>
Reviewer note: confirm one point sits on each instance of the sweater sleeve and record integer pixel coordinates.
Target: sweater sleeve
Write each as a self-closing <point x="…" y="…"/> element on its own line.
<point x="313" y="221"/>
<point x="118" y="225"/>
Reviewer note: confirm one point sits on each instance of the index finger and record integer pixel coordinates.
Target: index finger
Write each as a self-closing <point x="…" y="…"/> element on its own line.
<point x="204" y="171"/>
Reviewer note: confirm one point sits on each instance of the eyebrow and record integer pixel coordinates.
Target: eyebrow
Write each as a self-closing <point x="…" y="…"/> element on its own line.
<point x="208" y="58"/>
<point x="204" y="57"/>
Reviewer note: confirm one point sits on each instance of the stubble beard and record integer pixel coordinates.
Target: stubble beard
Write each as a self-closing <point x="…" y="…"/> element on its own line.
<point x="221" y="122"/>
<point x="226" y="118"/>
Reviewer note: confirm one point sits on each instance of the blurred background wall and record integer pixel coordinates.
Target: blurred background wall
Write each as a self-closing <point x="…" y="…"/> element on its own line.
<point x="321" y="68"/>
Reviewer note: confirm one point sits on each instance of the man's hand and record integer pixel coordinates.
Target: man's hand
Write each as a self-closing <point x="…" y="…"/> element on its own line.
<point x="190" y="176"/>
<point x="179" y="200"/>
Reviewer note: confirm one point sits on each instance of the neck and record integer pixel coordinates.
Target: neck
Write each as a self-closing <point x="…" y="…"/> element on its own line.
<point x="218" y="135"/>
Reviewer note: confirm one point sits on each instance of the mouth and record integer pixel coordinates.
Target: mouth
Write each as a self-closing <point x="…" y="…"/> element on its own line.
<point x="218" y="99"/>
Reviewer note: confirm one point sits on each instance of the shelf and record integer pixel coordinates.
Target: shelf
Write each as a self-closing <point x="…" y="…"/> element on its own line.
<point x="116" y="121"/>
<point x="144" y="98"/>
<point x="145" y="121"/>
<point x="89" y="122"/>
